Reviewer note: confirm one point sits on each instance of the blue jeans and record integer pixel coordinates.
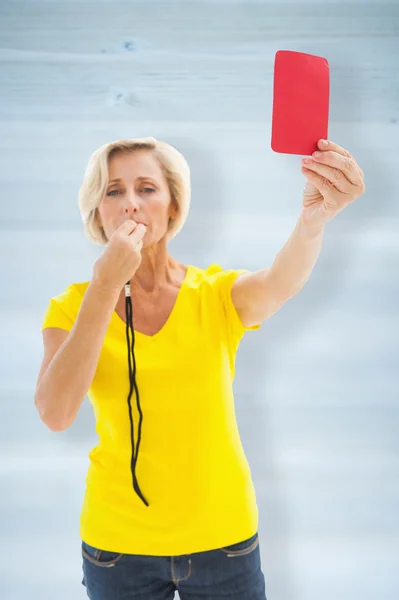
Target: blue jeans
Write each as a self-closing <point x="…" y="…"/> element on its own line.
<point x="232" y="573"/>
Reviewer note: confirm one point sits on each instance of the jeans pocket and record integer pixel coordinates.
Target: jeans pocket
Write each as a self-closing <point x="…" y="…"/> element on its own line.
<point x="242" y="548"/>
<point x="98" y="557"/>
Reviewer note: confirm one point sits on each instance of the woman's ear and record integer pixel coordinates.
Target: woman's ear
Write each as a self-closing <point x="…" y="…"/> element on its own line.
<point x="174" y="211"/>
<point x="98" y="219"/>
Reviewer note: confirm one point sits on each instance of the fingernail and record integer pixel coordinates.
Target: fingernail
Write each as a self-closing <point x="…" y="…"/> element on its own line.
<point x="323" y="143"/>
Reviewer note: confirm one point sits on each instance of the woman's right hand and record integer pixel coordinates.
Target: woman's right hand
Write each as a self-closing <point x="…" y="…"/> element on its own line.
<point x="121" y="258"/>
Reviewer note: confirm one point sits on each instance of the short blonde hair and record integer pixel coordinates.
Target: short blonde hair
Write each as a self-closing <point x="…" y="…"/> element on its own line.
<point x="173" y="164"/>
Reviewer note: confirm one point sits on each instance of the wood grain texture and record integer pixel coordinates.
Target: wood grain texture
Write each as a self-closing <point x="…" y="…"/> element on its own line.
<point x="317" y="387"/>
<point x="190" y="61"/>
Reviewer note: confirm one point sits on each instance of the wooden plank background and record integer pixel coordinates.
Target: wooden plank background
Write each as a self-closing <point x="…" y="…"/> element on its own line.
<point x="317" y="391"/>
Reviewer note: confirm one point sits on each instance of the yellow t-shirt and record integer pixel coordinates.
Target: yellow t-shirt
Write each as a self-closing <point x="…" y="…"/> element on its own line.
<point x="191" y="466"/>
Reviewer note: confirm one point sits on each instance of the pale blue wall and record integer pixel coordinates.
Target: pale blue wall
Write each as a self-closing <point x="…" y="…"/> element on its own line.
<point x="317" y="389"/>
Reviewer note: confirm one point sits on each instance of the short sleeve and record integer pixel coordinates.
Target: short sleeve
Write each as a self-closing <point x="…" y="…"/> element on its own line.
<point x="59" y="311"/>
<point x="223" y="282"/>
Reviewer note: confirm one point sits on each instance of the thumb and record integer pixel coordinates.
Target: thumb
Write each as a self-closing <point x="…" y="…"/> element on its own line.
<point x="310" y="188"/>
<point x="310" y="192"/>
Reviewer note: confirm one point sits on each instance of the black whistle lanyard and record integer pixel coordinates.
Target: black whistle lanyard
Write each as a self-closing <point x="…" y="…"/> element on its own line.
<point x="133" y="386"/>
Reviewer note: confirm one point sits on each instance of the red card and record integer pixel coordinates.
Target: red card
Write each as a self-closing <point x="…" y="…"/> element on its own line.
<point x="301" y="98"/>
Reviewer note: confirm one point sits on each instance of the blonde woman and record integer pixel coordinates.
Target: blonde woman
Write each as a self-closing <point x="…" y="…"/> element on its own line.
<point x="169" y="502"/>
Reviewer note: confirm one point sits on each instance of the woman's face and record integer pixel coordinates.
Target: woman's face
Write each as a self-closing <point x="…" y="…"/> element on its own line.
<point x="141" y="194"/>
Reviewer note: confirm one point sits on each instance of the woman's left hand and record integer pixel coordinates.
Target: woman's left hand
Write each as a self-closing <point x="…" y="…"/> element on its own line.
<point x="334" y="180"/>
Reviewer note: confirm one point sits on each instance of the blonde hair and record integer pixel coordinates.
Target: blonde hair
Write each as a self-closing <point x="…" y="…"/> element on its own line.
<point x="173" y="164"/>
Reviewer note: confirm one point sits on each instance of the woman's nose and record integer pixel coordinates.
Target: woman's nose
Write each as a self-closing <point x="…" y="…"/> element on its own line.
<point x="131" y="202"/>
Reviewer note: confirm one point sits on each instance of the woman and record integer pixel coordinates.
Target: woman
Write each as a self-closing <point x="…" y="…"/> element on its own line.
<point x="169" y="502"/>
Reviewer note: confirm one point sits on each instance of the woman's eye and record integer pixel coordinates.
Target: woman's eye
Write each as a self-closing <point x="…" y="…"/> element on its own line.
<point x="143" y="189"/>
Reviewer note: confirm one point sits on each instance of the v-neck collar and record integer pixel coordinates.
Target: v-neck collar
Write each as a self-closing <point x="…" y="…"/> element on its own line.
<point x="120" y="324"/>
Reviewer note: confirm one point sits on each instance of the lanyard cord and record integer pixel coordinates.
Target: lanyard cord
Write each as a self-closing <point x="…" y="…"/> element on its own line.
<point x="133" y="385"/>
